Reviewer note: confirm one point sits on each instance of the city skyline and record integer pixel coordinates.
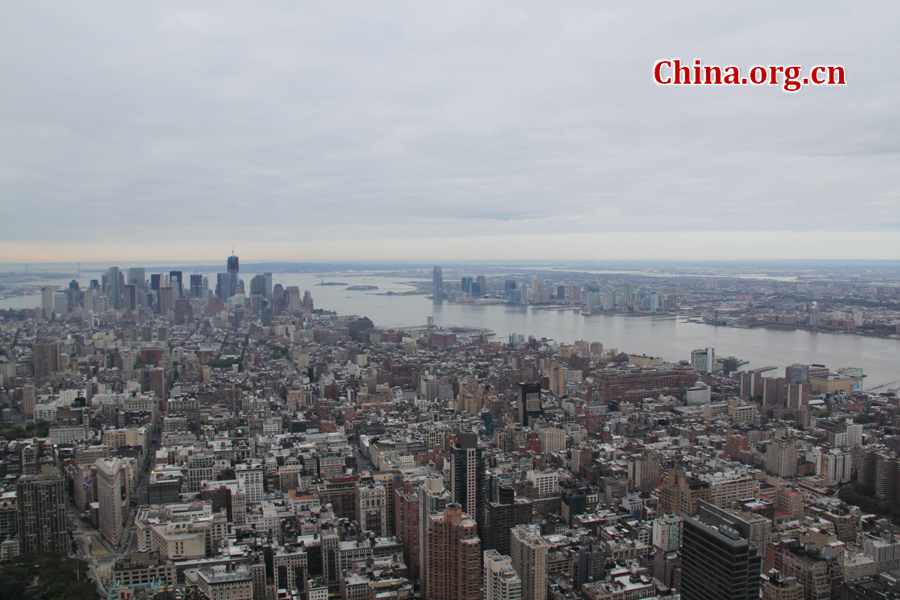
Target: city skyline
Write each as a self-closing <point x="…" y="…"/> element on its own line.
<point x="471" y="131"/>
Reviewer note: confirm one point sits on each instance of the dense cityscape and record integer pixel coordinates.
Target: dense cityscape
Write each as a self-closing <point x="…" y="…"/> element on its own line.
<point x="221" y="437"/>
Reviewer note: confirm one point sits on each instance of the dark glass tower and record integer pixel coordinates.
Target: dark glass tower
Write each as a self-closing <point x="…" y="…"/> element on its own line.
<point x="467" y="478"/>
<point x="718" y="560"/>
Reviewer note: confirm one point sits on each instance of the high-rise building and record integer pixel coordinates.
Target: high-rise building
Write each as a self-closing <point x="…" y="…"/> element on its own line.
<point x="437" y="281"/>
<point x="781" y="457"/>
<point x="529" y="402"/>
<point x="45" y="359"/>
<point x="703" y="361"/>
<point x="41" y="515"/>
<point x="500" y="579"/>
<point x="718" y="560"/>
<point x="502" y="516"/>
<point x="535" y="290"/>
<point x="261" y="284"/>
<point x="528" y="551"/>
<point x="137" y="277"/>
<point x="467" y="478"/>
<point x="466" y="285"/>
<point x="177" y="283"/>
<point x="481" y="280"/>
<point x="114" y="285"/>
<point x="47" y="301"/>
<point x="453" y="554"/>
<point x="109" y="492"/>
<point x="433" y="498"/>
<point x="197" y="287"/>
<point x="223" y="285"/>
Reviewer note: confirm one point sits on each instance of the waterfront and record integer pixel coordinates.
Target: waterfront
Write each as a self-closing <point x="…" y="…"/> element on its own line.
<point x="665" y="336"/>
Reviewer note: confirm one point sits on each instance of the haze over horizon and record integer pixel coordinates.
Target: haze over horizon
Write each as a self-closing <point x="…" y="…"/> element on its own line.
<point x="163" y="131"/>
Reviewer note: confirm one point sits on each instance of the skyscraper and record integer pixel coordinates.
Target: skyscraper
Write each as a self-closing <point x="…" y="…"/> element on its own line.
<point x="114" y="287"/>
<point x="529" y="402"/>
<point x="528" y="551"/>
<point x="109" y="491"/>
<point x="453" y="555"/>
<point x="466" y="285"/>
<point x="535" y="290"/>
<point x="718" y="560"/>
<point x="177" y="283"/>
<point x="481" y="280"/>
<point x="47" y="302"/>
<point x="433" y="498"/>
<point x="41" y="514"/>
<point x="197" y="287"/>
<point x="467" y="478"/>
<point x="137" y="277"/>
<point x="502" y="516"/>
<point x="437" y="281"/>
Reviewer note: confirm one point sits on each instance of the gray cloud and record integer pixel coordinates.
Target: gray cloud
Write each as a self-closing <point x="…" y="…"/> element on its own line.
<point x="326" y="119"/>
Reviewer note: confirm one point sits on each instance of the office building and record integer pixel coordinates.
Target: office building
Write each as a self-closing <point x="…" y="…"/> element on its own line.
<point x="529" y="402"/>
<point x="109" y="492"/>
<point x="437" y="281"/>
<point x="502" y="516"/>
<point x="467" y="478"/>
<point x="177" y="283"/>
<point x="47" y="302"/>
<point x="500" y="579"/>
<point x="704" y="361"/>
<point x="528" y="551"/>
<point x="137" y="277"/>
<point x="41" y="515"/>
<point x="718" y="561"/>
<point x="198" y="288"/>
<point x="453" y="554"/>
<point x="114" y="284"/>
<point x="481" y="282"/>
<point x="466" y="285"/>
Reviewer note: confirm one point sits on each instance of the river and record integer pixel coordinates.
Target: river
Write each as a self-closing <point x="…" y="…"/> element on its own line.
<point x="664" y="336"/>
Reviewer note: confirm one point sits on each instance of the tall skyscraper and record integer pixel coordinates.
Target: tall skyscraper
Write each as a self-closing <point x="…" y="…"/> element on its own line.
<point x="114" y="287"/>
<point x="137" y="276"/>
<point x="197" y="287"/>
<point x="535" y="290"/>
<point x="47" y="302"/>
<point x="177" y="283"/>
<point x="528" y="551"/>
<point x="433" y="498"/>
<point x="453" y="554"/>
<point x="481" y="280"/>
<point x="41" y="515"/>
<point x="500" y="579"/>
<point x="466" y="285"/>
<point x="718" y="560"/>
<point x="437" y="282"/>
<point x="109" y="492"/>
<point x="467" y="478"/>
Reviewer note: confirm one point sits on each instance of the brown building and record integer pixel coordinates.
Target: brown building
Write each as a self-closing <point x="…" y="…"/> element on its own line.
<point x="679" y="493"/>
<point x="453" y="554"/>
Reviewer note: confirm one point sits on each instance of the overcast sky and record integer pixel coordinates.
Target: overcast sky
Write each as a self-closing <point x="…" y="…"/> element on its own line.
<point x="301" y="131"/>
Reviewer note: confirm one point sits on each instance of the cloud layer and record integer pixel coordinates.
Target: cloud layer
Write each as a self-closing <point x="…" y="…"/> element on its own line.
<point x="171" y="123"/>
